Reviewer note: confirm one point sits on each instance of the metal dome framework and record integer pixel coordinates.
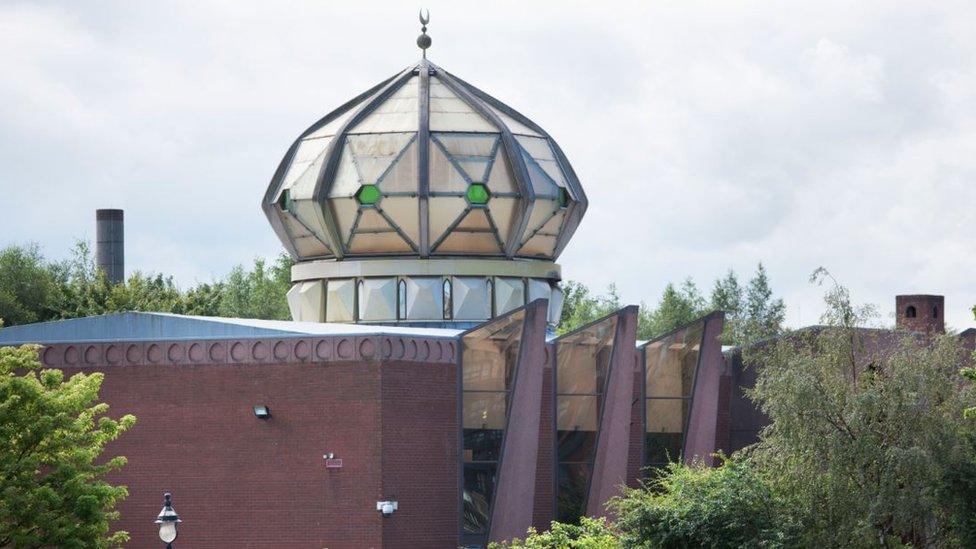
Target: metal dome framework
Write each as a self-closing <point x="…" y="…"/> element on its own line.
<point x="424" y="165"/>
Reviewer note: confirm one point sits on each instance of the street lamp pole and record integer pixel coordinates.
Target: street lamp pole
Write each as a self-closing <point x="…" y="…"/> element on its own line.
<point x="167" y="521"/>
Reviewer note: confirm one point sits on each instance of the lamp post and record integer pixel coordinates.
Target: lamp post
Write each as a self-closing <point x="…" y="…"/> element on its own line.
<point x="167" y="521"/>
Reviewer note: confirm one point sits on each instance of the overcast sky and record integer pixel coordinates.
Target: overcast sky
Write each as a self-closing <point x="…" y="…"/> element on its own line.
<point x="707" y="136"/>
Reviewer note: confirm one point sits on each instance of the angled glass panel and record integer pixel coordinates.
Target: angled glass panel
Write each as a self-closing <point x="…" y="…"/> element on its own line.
<point x="513" y="125"/>
<point x="444" y="175"/>
<point x="670" y="365"/>
<point x="582" y="369"/>
<point x="346" y="181"/>
<point x="402" y="175"/>
<point x="671" y="361"/>
<point x="490" y="352"/>
<point x="397" y="114"/>
<point x="367" y="243"/>
<point x="500" y="178"/>
<point x="541" y="152"/>
<point x="489" y="357"/>
<point x="472" y="153"/>
<point x="450" y="113"/>
<point x="467" y="242"/>
<point x="374" y="153"/>
<point x="403" y="212"/>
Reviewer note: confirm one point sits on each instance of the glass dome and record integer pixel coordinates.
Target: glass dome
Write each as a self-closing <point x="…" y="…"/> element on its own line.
<point x="424" y="165"/>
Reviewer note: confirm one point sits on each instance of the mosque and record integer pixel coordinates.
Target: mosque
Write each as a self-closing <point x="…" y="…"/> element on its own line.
<point x="419" y="397"/>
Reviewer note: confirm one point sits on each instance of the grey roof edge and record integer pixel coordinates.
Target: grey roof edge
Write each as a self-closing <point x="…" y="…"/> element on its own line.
<point x="146" y="326"/>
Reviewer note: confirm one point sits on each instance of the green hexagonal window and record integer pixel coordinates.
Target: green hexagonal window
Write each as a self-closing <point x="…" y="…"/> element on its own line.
<point x="563" y="197"/>
<point x="368" y="194"/>
<point x="478" y="194"/>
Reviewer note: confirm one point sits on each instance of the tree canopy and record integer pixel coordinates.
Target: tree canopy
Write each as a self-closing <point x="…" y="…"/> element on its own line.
<point x="752" y="313"/>
<point x="33" y="289"/>
<point x="52" y="492"/>
<point x="866" y="433"/>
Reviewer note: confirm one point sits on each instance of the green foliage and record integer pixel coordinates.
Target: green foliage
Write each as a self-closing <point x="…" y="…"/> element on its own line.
<point x="51" y="491"/>
<point x="581" y="306"/>
<point x="752" y="313"/>
<point x="26" y="286"/>
<point x="258" y="293"/>
<point x="729" y="506"/>
<point x="678" y="306"/>
<point x="970" y="374"/>
<point x="591" y="533"/>
<point x="863" y="434"/>
<point x="33" y="290"/>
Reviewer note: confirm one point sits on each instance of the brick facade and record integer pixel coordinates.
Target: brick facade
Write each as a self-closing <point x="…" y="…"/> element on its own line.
<point x="241" y="481"/>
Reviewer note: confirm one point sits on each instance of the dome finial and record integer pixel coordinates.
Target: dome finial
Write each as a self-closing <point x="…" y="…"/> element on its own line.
<point x="423" y="41"/>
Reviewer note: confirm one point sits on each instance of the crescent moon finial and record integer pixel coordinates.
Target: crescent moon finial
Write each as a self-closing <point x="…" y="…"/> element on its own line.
<point x="423" y="41"/>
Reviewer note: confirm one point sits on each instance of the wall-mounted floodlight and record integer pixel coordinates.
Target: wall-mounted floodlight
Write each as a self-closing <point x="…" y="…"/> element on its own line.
<point x="386" y="508"/>
<point x="262" y="412"/>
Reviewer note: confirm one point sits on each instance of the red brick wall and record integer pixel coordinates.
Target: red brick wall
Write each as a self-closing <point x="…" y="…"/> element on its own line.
<point x="238" y="481"/>
<point x="420" y="454"/>
<point x="545" y="475"/>
<point x="636" y="449"/>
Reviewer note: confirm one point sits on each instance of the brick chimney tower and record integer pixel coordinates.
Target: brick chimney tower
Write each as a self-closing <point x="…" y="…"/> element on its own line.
<point x="920" y="313"/>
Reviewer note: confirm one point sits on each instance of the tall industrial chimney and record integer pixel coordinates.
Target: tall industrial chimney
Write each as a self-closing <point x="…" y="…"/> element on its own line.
<point x="110" y="244"/>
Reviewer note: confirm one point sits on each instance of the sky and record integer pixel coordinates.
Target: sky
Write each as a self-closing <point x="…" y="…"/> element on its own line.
<point x="708" y="136"/>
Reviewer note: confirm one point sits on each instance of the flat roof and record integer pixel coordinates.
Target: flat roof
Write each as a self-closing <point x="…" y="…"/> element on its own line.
<point x="141" y="326"/>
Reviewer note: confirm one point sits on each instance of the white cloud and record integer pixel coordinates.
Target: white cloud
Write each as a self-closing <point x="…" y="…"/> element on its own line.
<point x="707" y="135"/>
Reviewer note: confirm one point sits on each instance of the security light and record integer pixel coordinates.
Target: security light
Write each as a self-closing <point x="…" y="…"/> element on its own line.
<point x="386" y="508"/>
<point x="262" y="411"/>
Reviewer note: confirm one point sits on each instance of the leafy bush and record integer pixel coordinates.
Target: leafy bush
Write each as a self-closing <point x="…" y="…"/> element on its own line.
<point x="732" y="505"/>
<point x="591" y="533"/>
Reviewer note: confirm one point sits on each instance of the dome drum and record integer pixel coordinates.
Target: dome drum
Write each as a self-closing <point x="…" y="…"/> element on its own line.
<point x="420" y="292"/>
<point x="419" y="300"/>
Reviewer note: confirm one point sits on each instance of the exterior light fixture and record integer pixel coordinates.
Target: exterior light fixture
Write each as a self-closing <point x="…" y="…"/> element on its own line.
<point x="262" y="412"/>
<point x="167" y="521"/>
<point x="386" y="508"/>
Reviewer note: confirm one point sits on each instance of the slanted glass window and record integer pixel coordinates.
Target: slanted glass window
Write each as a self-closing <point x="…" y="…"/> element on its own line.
<point x="670" y="366"/>
<point x="582" y="368"/>
<point x="488" y="362"/>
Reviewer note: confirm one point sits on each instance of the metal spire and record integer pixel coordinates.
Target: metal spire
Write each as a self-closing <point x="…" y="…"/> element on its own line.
<point x="423" y="41"/>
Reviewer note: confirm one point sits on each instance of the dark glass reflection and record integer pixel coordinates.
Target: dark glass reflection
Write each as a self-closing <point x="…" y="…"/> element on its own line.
<point x="662" y="448"/>
<point x="670" y="366"/>
<point x="582" y="367"/>
<point x="573" y="481"/>
<point x="479" y="485"/>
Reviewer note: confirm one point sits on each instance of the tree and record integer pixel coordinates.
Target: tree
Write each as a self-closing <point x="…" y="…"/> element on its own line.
<point x="35" y="290"/>
<point x="730" y="506"/>
<point x="678" y="306"/>
<point x="763" y="314"/>
<point x="52" y="493"/>
<point x="865" y="433"/>
<point x="26" y="285"/>
<point x="258" y="293"/>
<point x="728" y="296"/>
<point x="751" y="313"/>
<point x="591" y="533"/>
<point x="581" y="306"/>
